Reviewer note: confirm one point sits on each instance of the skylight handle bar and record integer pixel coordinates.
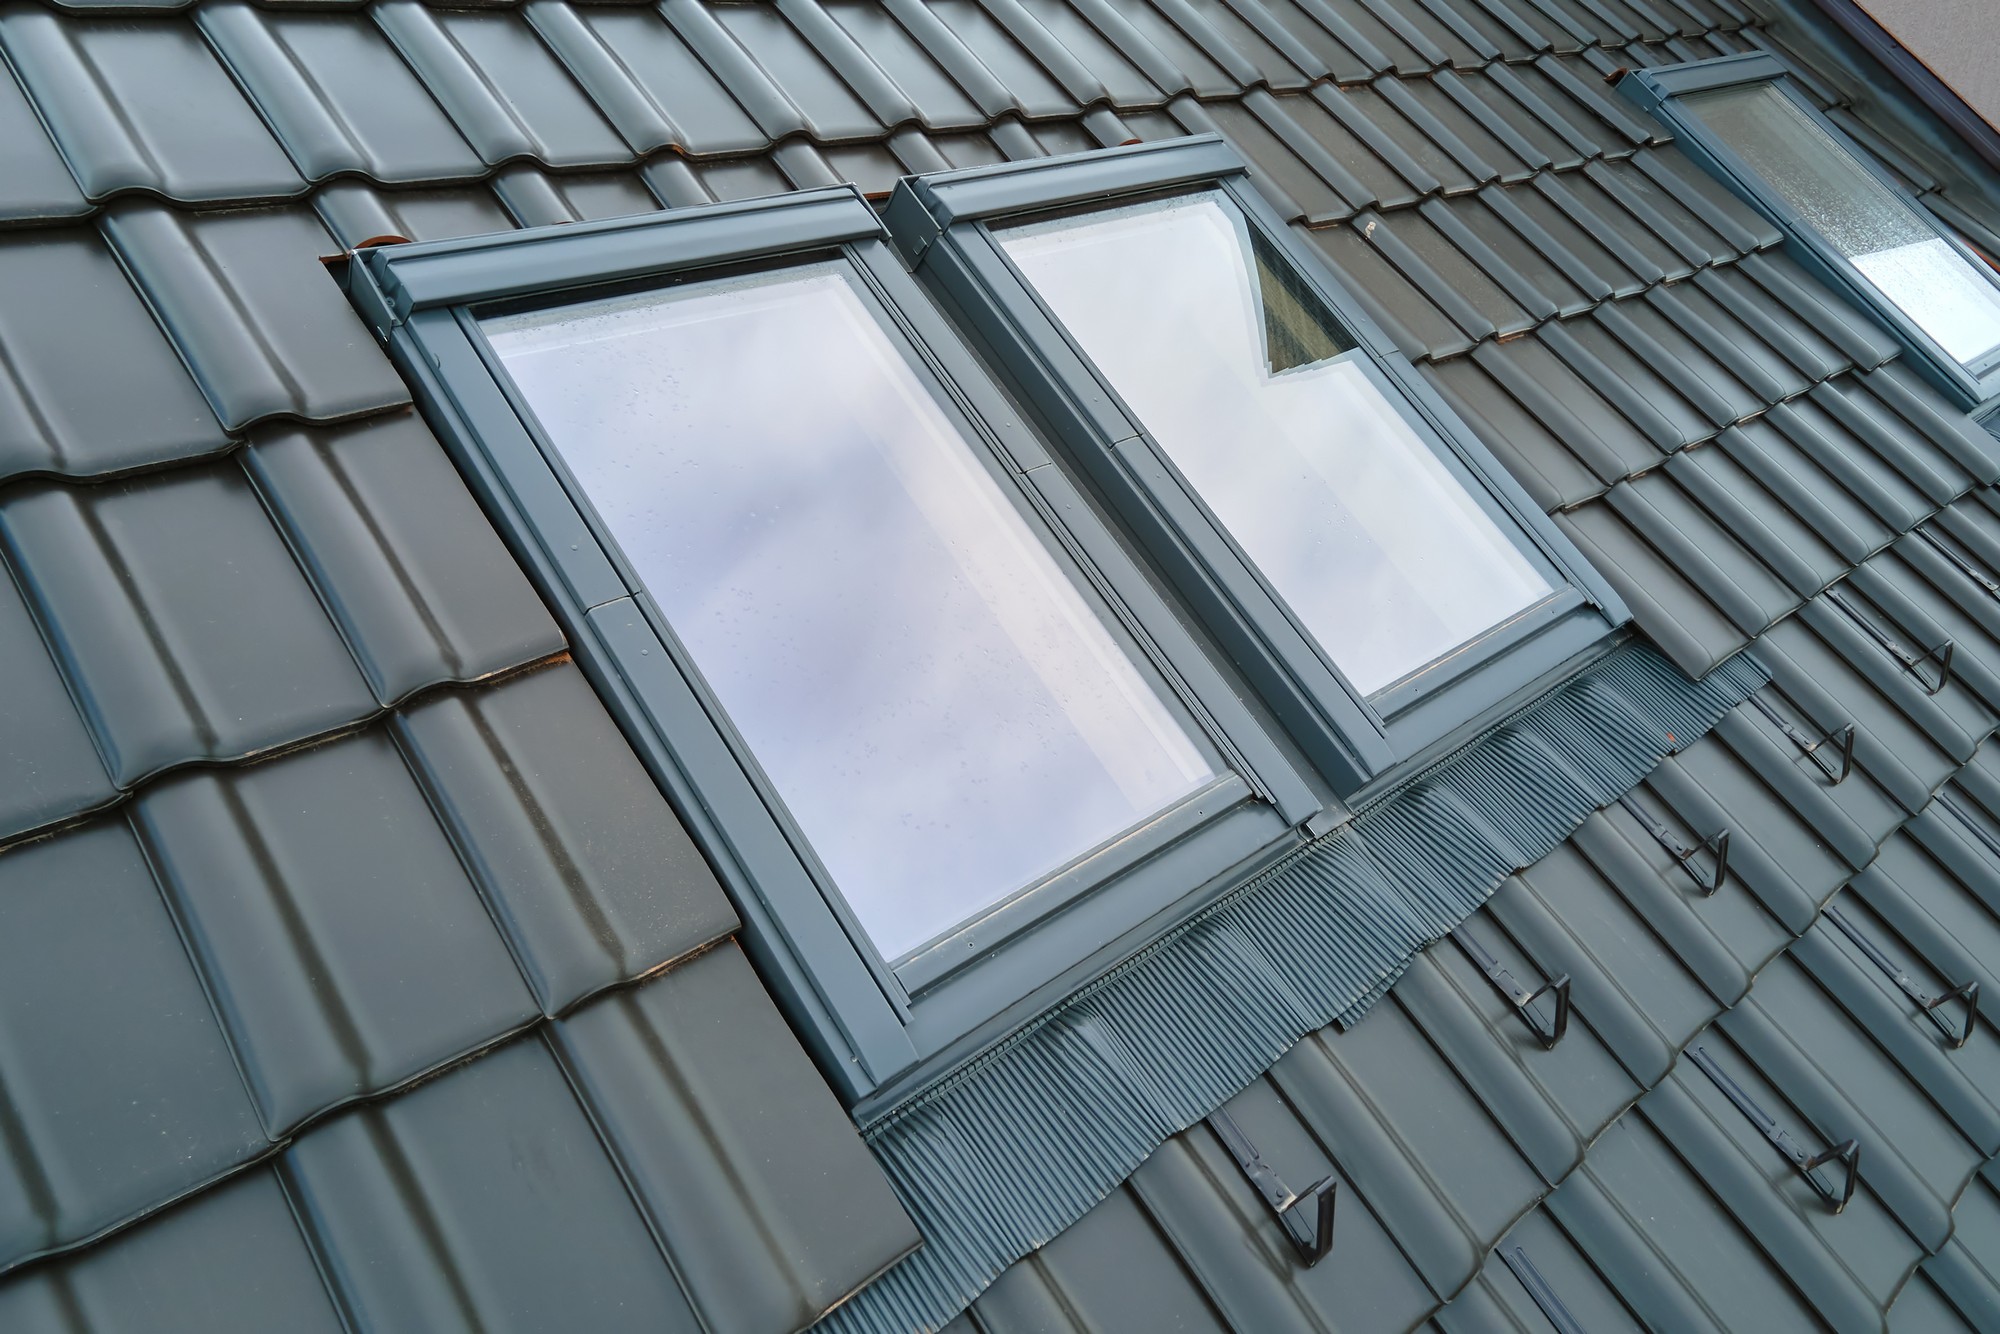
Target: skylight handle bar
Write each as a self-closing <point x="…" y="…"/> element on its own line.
<point x="1807" y="1165"/>
<point x="1716" y="845"/>
<point x="1929" y="1004"/>
<point x="1841" y="739"/>
<point x="1521" y="998"/>
<point x="1913" y="663"/>
<point x="1544" y="1297"/>
<point x="1307" y="1216"/>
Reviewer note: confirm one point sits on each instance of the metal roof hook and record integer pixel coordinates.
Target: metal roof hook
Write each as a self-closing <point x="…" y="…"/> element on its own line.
<point x="1521" y="998"/>
<point x="1306" y="1216"/>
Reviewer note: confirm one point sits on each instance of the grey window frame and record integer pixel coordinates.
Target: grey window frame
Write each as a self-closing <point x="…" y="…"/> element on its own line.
<point x="870" y="1022"/>
<point x="942" y="225"/>
<point x="1659" y="91"/>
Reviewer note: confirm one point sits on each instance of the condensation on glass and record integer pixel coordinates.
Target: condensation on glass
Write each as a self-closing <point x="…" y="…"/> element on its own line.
<point x="1259" y="398"/>
<point x="944" y="714"/>
<point x="1899" y="253"/>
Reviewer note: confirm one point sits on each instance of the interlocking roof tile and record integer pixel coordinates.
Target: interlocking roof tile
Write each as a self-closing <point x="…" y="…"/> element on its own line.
<point x="49" y="768"/>
<point x="34" y="183"/>
<point x="141" y="104"/>
<point x="337" y="95"/>
<point x="356" y="212"/>
<point x="316" y="893"/>
<point x="179" y="619"/>
<point x="65" y="309"/>
<point x="254" y="315"/>
<point x="537" y="198"/>
<point x="120" y="1096"/>
<point x="501" y="86"/>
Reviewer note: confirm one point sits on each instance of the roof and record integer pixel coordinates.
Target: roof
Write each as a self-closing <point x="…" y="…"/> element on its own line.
<point x="354" y="973"/>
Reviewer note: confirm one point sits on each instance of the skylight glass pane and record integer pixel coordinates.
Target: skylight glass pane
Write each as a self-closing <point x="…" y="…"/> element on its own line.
<point x="1876" y="229"/>
<point x="1242" y="377"/>
<point x="941" y="710"/>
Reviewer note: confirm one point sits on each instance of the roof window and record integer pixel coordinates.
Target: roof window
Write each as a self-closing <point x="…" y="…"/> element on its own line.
<point x="1844" y="216"/>
<point x="1338" y="529"/>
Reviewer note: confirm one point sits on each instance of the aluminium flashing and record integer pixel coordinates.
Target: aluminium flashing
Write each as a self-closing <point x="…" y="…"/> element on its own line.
<point x="1011" y="1149"/>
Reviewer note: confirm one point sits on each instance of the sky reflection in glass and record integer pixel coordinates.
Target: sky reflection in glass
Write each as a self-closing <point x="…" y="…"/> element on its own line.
<point x="942" y="712"/>
<point x="1239" y="375"/>
<point x="1900" y="254"/>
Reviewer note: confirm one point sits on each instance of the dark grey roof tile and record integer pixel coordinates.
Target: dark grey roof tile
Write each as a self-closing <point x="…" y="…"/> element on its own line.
<point x="480" y="1201"/>
<point x="1679" y="352"/>
<point x="1473" y="300"/>
<point x="65" y="312"/>
<point x="1815" y="305"/>
<point x="899" y="58"/>
<point x="1534" y="457"/>
<point x="537" y="198"/>
<point x="1338" y="120"/>
<point x="119" y="1089"/>
<point x="1091" y="36"/>
<point x="1111" y="1269"/>
<point x="583" y="864"/>
<point x="1571" y="405"/>
<point x="264" y="329"/>
<point x="1419" y="328"/>
<point x="345" y="946"/>
<point x="1571" y="244"/>
<point x="1410" y="137"/>
<point x="1637" y="251"/>
<point x="1760" y="519"/>
<point x="1542" y="285"/>
<point x="716" y="1116"/>
<point x="141" y="104"/>
<point x="49" y="769"/>
<point x="413" y="575"/>
<point x="1660" y="213"/>
<point x="1764" y="357"/>
<point x="1533" y="304"/>
<point x="501" y="86"/>
<point x="1282" y="62"/>
<point x="1655" y="409"/>
<point x="642" y="76"/>
<point x="1176" y="47"/>
<point x="1500" y="1303"/>
<point x="34" y="183"/>
<point x="1872" y="474"/>
<point x="966" y="39"/>
<point x="1475" y="143"/>
<point x="873" y="168"/>
<point x="356" y="212"/>
<point x="1700" y="194"/>
<point x="1438" y="31"/>
<point x="1524" y="99"/>
<point x="1335" y="51"/>
<point x="779" y="78"/>
<point x="979" y="150"/>
<point x="1304" y="178"/>
<point x="179" y="619"/>
<point x="230" y="1261"/>
<point x="731" y="178"/>
<point x="337" y="95"/>
<point x="1675" y="616"/>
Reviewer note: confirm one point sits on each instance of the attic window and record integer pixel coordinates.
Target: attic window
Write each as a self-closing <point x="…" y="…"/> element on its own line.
<point x="1266" y="406"/>
<point x="1339" y="532"/>
<point x="1843" y="214"/>
<point x="940" y="736"/>
<point x="936" y="702"/>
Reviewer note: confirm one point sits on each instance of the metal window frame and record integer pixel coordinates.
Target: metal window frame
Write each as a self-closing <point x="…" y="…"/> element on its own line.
<point x="868" y="1021"/>
<point x="1660" y="91"/>
<point x="942" y="223"/>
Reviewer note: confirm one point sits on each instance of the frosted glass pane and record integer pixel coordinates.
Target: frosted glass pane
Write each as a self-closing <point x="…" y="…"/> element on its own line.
<point x="1240" y="376"/>
<point x="1894" y="248"/>
<point x="941" y="710"/>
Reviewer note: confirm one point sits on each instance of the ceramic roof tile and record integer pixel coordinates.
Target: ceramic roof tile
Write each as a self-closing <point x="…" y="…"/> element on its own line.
<point x="253" y="313"/>
<point x="356" y="212"/>
<point x="231" y="1261"/>
<point x="120" y="1089"/>
<point x="65" y="308"/>
<point x="897" y="56"/>
<point x="581" y="862"/>
<point x="337" y="95"/>
<point x="49" y="769"/>
<point x="481" y="1201"/>
<point x="1177" y="48"/>
<point x="501" y="86"/>
<point x="180" y="621"/>
<point x="990" y="64"/>
<point x="141" y="104"/>
<point x="412" y="574"/>
<point x="319" y="898"/>
<point x="698" y="1086"/>
<point x="1419" y="328"/>
<point x="1248" y="32"/>
<point x="34" y="183"/>
<point x="779" y="77"/>
<point x="1285" y="160"/>
<point x="537" y="198"/>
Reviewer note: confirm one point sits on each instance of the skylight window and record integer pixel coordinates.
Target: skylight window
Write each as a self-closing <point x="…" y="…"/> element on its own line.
<point x="1844" y="216"/>
<point x="943" y="739"/>
<point x="939" y="706"/>
<point x="1341" y="535"/>
<point x="1266" y="406"/>
<point x="1899" y="252"/>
